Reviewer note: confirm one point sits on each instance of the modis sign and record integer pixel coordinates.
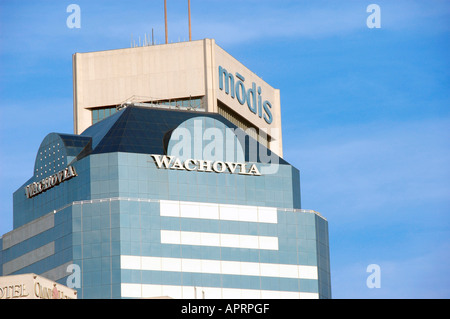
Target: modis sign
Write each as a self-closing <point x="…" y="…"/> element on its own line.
<point x="252" y="96"/>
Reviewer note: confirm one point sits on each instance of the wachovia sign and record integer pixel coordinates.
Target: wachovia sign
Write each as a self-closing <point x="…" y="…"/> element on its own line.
<point x="172" y="162"/>
<point x="51" y="181"/>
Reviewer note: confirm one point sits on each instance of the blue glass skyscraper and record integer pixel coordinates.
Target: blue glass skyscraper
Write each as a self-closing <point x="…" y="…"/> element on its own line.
<point x="134" y="229"/>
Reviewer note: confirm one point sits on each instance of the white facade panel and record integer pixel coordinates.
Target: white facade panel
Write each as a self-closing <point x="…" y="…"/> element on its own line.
<point x="191" y="292"/>
<point x="223" y="267"/>
<point x="255" y="214"/>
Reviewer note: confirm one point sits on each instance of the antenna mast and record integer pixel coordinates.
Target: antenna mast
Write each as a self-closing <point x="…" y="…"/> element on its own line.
<point x="189" y="12"/>
<point x="165" y="16"/>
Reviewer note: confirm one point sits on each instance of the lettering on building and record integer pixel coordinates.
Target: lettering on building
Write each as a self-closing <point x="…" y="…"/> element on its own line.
<point x="252" y="96"/>
<point x="171" y="162"/>
<point x="42" y="292"/>
<point x="45" y="184"/>
<point x="33" y="288"/>
<point x="13" y="291"/>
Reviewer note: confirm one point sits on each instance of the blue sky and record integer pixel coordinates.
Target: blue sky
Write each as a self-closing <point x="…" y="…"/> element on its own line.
<point x="365" y="112"/>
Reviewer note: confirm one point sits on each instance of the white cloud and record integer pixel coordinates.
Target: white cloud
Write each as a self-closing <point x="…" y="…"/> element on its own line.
<point x="301" y="19"/>
<point x="379" y="166"/>
<point x="37" y="25"/>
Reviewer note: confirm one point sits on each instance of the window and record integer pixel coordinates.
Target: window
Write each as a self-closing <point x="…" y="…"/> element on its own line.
<point x="242" y="123"/>
<point x="99" y="114"/>
<point x="102" y="113"/>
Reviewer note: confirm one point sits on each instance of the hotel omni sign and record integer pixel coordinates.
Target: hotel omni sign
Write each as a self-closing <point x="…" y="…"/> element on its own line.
<point x="32" y="286"/>
<point x="51" y="181"/>
<point x="38" y="291"/>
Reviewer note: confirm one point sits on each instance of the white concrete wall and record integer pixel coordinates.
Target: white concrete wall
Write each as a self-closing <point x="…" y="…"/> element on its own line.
<point x="167" y="71"/>
<point x="160" y="72"/>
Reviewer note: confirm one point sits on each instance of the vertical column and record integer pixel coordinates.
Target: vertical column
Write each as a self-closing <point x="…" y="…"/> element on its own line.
<point x="75" y="104"/>
<point x="279" y="144"/>
<point x="210" y="78"/>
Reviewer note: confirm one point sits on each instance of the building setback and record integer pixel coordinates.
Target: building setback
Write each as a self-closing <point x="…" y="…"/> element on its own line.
<point x="155" y="200"/>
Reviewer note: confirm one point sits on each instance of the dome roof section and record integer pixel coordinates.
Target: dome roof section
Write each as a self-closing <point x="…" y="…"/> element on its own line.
<point x="56" y="152"/>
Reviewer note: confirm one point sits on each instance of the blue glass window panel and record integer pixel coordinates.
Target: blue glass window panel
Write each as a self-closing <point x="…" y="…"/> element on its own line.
<point x="144" y="130"/>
